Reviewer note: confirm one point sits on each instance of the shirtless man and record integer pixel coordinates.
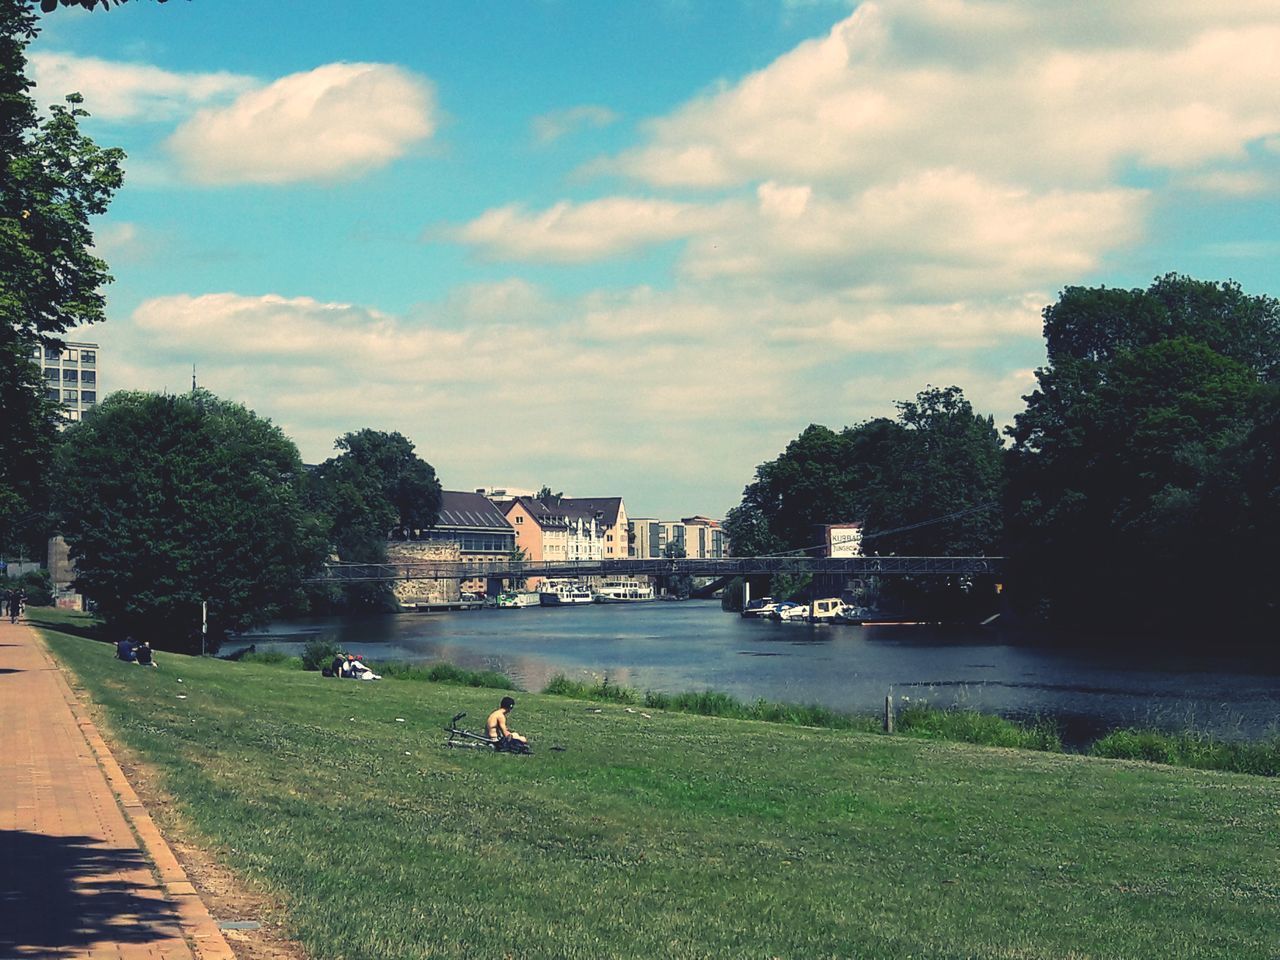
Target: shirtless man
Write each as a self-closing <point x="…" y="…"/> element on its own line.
<point x="495" y="728"/>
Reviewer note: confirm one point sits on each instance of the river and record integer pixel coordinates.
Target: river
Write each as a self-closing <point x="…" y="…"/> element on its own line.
<point x="694" y="645"/>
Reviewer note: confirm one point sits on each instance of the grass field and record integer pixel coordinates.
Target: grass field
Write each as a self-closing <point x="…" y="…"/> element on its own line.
<point x="672" y="835"/>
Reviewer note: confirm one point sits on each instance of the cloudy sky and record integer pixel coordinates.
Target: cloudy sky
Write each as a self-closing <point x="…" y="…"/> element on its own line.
<point x="634" y="248"/>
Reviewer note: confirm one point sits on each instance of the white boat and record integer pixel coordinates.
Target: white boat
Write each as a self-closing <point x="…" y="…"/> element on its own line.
<point x="623" y="591"/>
<point x="514" y="599"/>
<point x="760" y="607"/>
<point x="852" y="613"/>
<point x="796" y="611"/>
<point x="825" y="610"/>
<point x="559" y="593"/>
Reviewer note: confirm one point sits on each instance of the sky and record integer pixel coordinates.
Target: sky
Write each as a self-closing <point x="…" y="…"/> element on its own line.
<point x="633" y="249"/>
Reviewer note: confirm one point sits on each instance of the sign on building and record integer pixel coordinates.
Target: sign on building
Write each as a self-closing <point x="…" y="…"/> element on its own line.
<point x="844" y="540"/>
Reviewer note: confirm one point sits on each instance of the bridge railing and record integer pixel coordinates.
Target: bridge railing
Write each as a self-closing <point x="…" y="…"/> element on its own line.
<point x="732" y="567"/>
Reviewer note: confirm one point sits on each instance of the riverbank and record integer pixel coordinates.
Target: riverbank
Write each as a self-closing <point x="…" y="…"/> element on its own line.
<point x="679" y="835"/>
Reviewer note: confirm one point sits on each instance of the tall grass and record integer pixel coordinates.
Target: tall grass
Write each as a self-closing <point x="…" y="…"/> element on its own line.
<point x="394" y="669"/>
<point x="1194" y="749"/>
<point x="447" y="673"/>
<point x="970" y="726"/>
<point x="920" y="720"/>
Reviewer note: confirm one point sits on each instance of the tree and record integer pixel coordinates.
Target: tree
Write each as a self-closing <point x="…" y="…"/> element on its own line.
<point x="375" y="489"/>
<point x="48" y="6"/>
<point x="1128" y="467"/>
<point x="169" y="501"/>
<point x="52" y="180"/>
<point x="939" y="459"/>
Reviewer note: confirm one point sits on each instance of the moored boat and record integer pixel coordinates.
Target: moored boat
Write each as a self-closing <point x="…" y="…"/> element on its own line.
<point x="623" y="591"/>
<point x="514" y="599"/>
<point x="559" y="593"/>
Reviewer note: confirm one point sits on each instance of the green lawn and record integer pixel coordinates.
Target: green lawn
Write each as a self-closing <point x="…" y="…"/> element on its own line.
<point x="679" y="836"/>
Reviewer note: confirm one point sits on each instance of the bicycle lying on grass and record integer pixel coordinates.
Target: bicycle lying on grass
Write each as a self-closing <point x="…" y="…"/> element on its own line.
<point x="460" y="737"/>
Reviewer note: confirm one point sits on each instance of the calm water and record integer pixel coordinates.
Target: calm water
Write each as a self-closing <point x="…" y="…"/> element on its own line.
<point x="675" y="647"/>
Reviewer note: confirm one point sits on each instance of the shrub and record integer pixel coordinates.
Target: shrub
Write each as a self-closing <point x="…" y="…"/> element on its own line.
<point x="38" y="586"/>
<point x="318" y="653"/>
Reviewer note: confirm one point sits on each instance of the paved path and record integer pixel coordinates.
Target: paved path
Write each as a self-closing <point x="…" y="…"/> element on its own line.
<point x="83" y="870"/>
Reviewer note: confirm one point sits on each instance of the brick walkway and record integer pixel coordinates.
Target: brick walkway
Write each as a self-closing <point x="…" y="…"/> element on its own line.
<point x="83" y="870"/>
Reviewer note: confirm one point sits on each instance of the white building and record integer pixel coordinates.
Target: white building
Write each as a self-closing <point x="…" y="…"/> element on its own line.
<point x="71" y="376"/>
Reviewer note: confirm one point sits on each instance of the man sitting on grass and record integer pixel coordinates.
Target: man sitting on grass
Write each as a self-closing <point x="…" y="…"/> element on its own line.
<point x="495" y="728"/>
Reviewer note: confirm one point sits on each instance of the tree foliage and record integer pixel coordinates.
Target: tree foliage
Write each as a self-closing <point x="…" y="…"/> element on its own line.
<point x="168" y="501"/>
<point x="376" y="488"/>
<point x="937" y="459"/>
<point x="52" y="180"/>
<point x="1137" y="459"/>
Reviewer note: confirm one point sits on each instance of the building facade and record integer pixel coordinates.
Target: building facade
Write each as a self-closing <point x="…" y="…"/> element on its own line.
<point x="700" y="538"/>
<point x="71" y="376"/>
<point x="478" y="528"/>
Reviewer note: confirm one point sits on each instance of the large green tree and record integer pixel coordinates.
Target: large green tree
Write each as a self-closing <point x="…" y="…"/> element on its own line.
<point x="171" y="501"/>
<point x="52" y="180"/>
<point x="938" y="459"/>
<point x="376" y="488"/>
<point x="1131" y="467"/>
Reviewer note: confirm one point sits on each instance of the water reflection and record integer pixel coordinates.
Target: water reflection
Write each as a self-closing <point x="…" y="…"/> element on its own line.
<point x="675" y="647"/>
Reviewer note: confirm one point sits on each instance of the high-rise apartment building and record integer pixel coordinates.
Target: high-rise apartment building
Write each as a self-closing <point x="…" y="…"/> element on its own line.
<point x="71" y="376"/>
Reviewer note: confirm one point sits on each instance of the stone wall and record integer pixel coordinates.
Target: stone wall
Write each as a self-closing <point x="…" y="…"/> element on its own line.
<point x="409" y="592"/>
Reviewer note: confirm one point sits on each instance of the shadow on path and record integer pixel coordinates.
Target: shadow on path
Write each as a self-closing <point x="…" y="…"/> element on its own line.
<point x="66" y="892"/>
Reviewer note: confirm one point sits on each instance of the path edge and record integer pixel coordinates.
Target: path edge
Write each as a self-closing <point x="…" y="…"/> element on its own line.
<point x="197" y="924"/>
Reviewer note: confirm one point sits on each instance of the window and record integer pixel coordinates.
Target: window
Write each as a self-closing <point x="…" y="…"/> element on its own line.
<point x="51" y="354"/>
<point x="70" y="376"/>
<point x="72" y="355"/>
<point x="88" y="396"/>
<point x="88" y="376"/>
<point x="519" y="519"/>
<point x="51" y="374"/>
<point x="88" y="357"/>
<point x="70" y="396"/>
<point x="73" y="415"/>
<point x="52" y="394"/>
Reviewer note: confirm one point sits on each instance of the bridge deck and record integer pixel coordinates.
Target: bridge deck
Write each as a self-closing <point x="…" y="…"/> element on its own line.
<point x="734" y="567"/>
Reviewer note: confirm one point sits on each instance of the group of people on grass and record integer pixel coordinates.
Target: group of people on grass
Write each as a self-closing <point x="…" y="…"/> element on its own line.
<point x="350" y="666"/>
<point x="132" y="652"/>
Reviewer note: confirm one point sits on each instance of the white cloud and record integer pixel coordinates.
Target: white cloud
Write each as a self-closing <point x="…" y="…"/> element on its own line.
<point x="552" y="126"/>
<point x="1033" y="94"/>
<point x="940" y="231"/>
<point x="600" y="390"/>
<point x="576" y="233"/>
<point x="130" y="91"/>
<point x="335" y="121"/>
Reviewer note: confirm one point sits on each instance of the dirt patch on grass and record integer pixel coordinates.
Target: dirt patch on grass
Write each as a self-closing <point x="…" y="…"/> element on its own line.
<point x="228" y="898"/>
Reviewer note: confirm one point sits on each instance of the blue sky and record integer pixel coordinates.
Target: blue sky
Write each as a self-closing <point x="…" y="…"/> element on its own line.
<point x="633" y="249"/>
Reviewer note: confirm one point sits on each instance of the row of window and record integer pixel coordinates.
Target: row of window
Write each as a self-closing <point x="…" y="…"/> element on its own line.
<point x="86" y="397"/>
<point x="71" y="355"/>
<point x="70" y="376"/>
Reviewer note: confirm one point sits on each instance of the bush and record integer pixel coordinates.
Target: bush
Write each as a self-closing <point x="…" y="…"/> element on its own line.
<point x="318" y="654"/>
<point x="38" y="586"/>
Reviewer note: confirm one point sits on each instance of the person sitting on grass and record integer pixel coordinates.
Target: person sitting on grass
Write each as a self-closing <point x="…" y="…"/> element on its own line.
<point x="496" y="729"/>
<point x="143" y="655"/>
<point x="125" y="650"/>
